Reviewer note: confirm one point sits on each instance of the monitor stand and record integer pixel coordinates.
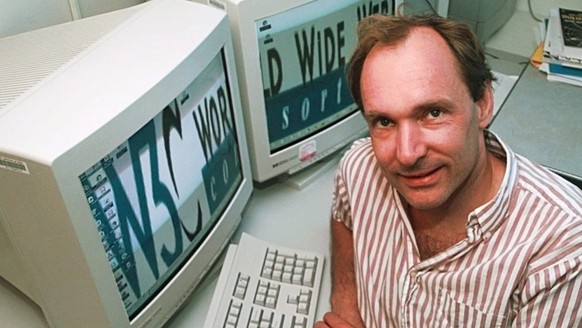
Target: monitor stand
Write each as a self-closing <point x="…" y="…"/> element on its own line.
<point x="305" y="177"/>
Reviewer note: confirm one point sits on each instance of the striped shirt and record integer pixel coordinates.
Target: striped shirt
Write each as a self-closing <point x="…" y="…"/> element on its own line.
<point x="519" y="265"/>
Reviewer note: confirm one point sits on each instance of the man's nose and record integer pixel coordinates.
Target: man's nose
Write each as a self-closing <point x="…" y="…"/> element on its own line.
<point x="410" y="144"/>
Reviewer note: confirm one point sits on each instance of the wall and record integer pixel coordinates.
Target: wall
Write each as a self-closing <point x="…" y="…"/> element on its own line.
<point x="95" y="7"/>
<point x="18" y="16"/>
<point x="521" y="34"/>
<point x="541" y="8"/>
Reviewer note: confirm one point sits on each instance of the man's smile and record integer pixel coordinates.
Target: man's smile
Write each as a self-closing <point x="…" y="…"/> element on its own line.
<point x="423" y="178"/>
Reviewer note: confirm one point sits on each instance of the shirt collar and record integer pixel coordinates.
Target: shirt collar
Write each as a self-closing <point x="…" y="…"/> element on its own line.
<point x="487" y="218"/>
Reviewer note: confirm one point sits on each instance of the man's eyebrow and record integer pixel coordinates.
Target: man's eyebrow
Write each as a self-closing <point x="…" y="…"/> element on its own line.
<point x="436" y="103"/>
<point x="417" y="110"/>
<point x="372" y="114"/>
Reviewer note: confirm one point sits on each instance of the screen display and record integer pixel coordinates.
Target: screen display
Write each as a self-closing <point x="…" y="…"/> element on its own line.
<point x="303" y="52"/>
<point x="156" y="196"/>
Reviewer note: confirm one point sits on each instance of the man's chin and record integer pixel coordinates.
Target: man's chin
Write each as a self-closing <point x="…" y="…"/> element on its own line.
<point x="422" y="201"/>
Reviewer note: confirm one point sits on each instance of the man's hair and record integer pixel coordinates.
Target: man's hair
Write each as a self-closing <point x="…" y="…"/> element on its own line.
<point x="393" y="30"/>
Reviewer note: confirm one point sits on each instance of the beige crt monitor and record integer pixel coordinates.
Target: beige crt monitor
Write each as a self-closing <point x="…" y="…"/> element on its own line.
<point x="291" y="57"/>
<point x="123" y="162"/>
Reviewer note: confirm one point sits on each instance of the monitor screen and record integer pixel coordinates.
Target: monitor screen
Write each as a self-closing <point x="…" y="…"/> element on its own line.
<point x="303" y="55"/>
<point x="156" y="196"/>
<point x="291" y="58"/>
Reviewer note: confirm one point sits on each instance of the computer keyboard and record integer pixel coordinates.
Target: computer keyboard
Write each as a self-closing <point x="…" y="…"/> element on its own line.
<point x="264" y="285"/>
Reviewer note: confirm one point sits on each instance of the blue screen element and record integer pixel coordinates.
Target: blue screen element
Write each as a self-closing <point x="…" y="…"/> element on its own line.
<point x="308" y="107"/>
<point x="222" y="172"/>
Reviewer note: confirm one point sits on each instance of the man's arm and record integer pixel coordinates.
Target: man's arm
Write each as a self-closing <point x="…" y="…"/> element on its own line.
<point x="552" y="296"/>
<point x="344" y="301"/>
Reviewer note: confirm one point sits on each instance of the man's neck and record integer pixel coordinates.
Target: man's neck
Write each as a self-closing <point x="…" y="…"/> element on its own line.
<point x="440" y="228"/>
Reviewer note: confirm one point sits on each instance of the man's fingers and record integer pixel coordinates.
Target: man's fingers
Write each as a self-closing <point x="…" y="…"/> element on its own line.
<point x="334" y="320"/>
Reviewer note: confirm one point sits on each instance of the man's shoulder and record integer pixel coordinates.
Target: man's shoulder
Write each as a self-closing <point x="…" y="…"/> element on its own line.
<point x="362" y="142"/>
<point x="549" y="186"/>
<point x="361" y="149"/>
<point x="358" y="159"/>
<point x="360" y="145"/>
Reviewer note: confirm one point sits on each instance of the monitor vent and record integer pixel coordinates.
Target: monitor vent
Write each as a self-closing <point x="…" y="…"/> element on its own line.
<point x="28" y="60"/>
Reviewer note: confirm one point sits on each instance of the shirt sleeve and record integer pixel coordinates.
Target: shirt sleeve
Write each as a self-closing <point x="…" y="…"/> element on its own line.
<point x="341" y="209"/>
<point x="551" y="294"/>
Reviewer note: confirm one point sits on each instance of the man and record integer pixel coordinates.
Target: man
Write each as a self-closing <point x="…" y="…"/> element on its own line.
<point x="435" y="221"/>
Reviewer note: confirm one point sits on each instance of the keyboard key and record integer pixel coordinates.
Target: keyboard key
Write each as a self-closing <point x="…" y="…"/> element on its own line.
<point x="299" y="322"/>
<point x="286" y="277"/>
<point x="308" y="277"/>
<point x="303" y="308"/>
<point x="304" y="302"/>
<point x="277" y="275"/>
<point x="297" y="279"/>
<point x="255" y="317"/>
<point x="293" y="300"/>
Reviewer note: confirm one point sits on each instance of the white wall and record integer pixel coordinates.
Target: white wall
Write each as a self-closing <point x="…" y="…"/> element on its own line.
<point x="541" y="8"/>
<point x="18" y="16"/>
<point x="95" y="7"/>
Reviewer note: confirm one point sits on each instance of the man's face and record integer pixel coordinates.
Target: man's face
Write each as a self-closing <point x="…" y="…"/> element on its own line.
<point x="425" y="128"/>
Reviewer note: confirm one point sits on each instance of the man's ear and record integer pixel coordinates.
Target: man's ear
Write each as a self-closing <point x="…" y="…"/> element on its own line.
<point x="485" y="106"/>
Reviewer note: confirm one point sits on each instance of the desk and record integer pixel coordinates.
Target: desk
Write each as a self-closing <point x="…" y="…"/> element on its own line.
<point x="543" y="121"/>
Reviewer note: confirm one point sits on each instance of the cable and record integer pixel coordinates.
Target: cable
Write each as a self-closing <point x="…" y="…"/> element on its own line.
<point x="531" y="12"/>
<point x="431" y="6"/>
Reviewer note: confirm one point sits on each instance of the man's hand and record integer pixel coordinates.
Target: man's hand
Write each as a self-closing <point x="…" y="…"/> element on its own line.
<point x="332" y="320"/>
<point x="344" y="301"/>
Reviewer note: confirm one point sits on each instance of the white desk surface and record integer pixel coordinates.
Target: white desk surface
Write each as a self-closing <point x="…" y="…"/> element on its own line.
<point x="541" y="120"/>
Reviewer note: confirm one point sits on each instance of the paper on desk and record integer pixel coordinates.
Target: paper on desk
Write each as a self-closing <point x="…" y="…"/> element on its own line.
<point x="554" y="77"/>
<point x="501" y="89"/>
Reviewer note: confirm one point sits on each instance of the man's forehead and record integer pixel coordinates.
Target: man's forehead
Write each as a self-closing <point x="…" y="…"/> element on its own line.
<point x="419" y="70"/>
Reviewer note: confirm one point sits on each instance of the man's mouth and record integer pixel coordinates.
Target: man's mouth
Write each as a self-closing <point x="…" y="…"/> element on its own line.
<point x="421" y="178"/>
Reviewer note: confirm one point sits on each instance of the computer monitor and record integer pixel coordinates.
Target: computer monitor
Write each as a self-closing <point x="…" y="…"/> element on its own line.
<point x="291" y="57"/>
<point x="123" y="162"/>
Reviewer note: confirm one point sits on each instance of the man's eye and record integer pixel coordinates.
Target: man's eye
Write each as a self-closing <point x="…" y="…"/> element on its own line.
<point x="434" y="113"/>
<point x="384" y="122"/>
